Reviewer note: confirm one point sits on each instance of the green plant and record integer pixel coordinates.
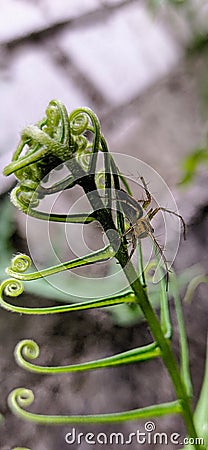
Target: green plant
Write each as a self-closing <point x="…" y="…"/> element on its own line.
<point x="191" y="163"/>
<point x="75" y="140"/>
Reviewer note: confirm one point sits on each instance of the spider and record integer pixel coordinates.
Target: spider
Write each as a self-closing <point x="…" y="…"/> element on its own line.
<point x="140" y="225"/>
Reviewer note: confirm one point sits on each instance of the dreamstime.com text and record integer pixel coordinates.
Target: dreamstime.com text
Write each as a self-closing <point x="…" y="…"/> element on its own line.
<point x="149" y="435"/>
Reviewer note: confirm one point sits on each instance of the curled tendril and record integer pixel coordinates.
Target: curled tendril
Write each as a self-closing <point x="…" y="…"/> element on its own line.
<point x="103" y="254"/>
<point x="20" y="398"/>
<point x="49" y="143"/>
<point x="82" y="143"/>
<point x="79" y="121"/>
<point x="83" y="157"/>
<point x="150" y="270"/>
<point x="29" y="199"/>
<point x="29" y="194"/>
<point x="100" y="179"/>
<point x="53" y="119"/>
<point x="12" y="288"/>
<point x="25" y="200"/>
<point x="16" y="199"/>
<point x="69" y="218"/>
<point x="20" y="263"/>
<point x="28" y="349"/>
<point x="193" y="284"/>
<point x="29" y="185"/>
<point x="45" y="146"/>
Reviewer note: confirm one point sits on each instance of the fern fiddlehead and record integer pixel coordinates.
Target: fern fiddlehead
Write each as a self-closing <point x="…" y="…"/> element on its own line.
<point x="76" y="141"/>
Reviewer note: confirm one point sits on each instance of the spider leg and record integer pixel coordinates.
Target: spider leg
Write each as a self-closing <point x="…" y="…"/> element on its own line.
<point x="134" y="244"/>
<point x="148" y="195"/>
<point x="133" y="239"/>
<point x="151" y="214"/>
<point x="162" y="256"/>
<point x="131" y="228"/>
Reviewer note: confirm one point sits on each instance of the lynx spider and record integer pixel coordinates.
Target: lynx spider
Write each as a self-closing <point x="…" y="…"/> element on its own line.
<point x="140" y="225"/>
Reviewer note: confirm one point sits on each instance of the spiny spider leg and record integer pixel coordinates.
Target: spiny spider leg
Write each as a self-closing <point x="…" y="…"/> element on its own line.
<point x="146" y="202"/>
<point x="133" y="239"/>
<point x="152" y="213"/>
<point x="163" y="257"/>
<point x="134" y="245"/>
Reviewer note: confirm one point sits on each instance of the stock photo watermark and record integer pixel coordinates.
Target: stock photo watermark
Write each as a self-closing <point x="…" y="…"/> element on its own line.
<point x="149" y="435"/>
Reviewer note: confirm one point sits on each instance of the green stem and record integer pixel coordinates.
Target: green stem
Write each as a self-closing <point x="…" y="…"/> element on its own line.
<point x="153" y="322"/>
<point x="30" y="350"/>
<point x="24" y="397"/>
<point x="14" y="288"/>
<point x="141" y="266"/>
<point x="99" y="255"/>
<point x="184" y="354"/>
<point x="105" y="219"/>
<point x="164" y="345"/>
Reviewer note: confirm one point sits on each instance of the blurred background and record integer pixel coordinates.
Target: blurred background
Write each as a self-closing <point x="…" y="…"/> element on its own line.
<point x="142" y="67"/>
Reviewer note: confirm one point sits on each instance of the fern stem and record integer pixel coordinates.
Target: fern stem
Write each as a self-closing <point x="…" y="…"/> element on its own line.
<point x="105" y="219"/>
<point x="166" y="351"/>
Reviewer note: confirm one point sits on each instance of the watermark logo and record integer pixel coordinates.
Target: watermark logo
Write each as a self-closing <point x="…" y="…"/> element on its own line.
<point x="149" y="436"/>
